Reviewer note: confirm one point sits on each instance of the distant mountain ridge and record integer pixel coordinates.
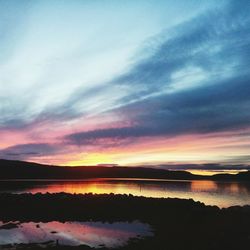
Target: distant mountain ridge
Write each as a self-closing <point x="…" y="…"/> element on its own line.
<point x="27" y="170"/>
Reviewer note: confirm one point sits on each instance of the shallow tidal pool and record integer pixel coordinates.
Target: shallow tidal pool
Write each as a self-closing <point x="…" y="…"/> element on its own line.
<point x="93" y="234"/>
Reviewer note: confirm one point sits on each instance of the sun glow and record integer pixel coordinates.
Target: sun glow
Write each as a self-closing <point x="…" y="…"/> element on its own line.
<point x="90" y="159"/>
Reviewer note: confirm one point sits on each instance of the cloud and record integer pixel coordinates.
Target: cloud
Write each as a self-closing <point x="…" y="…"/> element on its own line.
<point x="26" y="151"/>
<point x="191" y="78"/>
<point x="218" y="166"/>
<point x="70" y="55"/>
<point x="238" y="159"/>
<point x="55" y="62"/>
<point x="196" y="81"/>
<point x="214" y="44"/>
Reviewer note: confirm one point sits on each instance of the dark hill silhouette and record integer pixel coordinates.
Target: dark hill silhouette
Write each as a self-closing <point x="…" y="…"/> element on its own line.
<point x="28" y="170"/>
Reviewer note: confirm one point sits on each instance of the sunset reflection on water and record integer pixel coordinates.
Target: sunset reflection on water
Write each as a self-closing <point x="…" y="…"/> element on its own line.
<point x="203" y="186"/>
<point x="222" y="194"/>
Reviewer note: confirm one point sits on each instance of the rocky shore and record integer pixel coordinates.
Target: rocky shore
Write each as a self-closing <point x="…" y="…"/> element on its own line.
<point x="177" y="223"/>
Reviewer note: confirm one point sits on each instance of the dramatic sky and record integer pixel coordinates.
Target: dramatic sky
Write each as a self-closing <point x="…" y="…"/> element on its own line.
<point x="130" y="82"/>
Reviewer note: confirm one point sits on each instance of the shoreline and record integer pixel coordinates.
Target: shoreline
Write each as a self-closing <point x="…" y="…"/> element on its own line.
<point x="175" y="221"/>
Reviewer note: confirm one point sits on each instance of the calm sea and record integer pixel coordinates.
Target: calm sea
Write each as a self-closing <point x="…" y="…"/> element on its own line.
<point x="222" y="194"/>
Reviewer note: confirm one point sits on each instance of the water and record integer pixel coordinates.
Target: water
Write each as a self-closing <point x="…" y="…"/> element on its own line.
<point x="93" y="234"/>
<point x="222" y="194"/>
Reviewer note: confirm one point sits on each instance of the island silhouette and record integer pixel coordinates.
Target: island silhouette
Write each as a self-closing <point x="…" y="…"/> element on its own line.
<point x="10" y="169"/>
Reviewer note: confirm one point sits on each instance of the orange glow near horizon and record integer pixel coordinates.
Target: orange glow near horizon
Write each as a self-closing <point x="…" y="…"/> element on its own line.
<point x="184" y="149"/>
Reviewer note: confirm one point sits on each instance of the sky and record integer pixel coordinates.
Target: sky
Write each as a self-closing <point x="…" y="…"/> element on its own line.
<point x="135" y="82"/>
